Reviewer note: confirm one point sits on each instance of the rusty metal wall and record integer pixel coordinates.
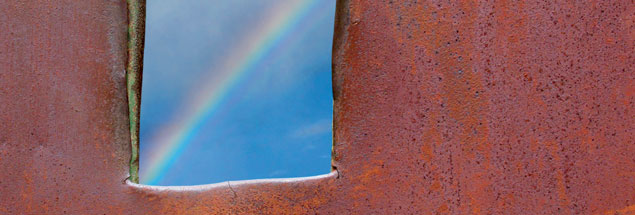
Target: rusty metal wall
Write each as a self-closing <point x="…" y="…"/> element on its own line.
<point x="485" y="107"/>
<point x="64" y="140"/>
<point x="467" y="107"/>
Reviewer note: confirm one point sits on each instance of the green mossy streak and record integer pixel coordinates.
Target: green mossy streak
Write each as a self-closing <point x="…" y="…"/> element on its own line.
<point x="134" y="71"/>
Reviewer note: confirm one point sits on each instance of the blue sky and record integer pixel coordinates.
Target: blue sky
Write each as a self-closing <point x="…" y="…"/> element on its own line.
<point x="275" y="122"/>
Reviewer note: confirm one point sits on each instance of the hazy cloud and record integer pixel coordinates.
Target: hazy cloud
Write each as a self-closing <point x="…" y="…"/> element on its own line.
<point x="277" y="173"/>
<point x="320" y="127"/>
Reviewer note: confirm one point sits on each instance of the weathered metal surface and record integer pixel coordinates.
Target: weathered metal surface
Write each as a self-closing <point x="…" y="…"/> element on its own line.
<point x="134" y="74"/>
<point x="467" y="107"/>
<point x="64" y="140"/>
<point x="475" y="107"/>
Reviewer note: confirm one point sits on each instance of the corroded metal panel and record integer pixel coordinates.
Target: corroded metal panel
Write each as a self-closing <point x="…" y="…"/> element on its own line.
<point x="64" y="140"/>
<point x="475" y="107"/>
<point x="465" y="107"/>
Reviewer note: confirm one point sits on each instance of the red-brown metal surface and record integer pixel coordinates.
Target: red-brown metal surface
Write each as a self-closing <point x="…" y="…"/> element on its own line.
<point x="468" y="107"/>
<point x="64" y="140"/>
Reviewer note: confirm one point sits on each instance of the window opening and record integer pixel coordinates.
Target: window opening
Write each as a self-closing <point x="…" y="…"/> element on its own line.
<point x="236" y="90"/>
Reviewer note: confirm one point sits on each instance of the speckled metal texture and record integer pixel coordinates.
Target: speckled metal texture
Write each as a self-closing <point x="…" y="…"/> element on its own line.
<point x="64" y="140"/>
<point x="466" y="107"/>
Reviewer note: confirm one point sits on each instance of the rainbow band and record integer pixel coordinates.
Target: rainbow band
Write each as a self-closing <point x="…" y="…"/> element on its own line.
<point x="261" y="41"/>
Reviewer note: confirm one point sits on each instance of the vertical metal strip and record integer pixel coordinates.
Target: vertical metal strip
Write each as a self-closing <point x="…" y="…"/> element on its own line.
<point x="136" y="33"/>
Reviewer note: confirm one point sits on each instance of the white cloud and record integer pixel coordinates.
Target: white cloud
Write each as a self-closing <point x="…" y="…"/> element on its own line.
<point x="312" y="129"/>
<point x="277" y="173"/>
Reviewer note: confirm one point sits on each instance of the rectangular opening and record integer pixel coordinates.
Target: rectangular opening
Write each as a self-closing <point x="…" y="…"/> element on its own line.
<point x="236" y="90"/>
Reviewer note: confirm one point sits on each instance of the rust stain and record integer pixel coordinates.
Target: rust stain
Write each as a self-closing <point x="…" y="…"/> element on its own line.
<point x="629" y="210"/>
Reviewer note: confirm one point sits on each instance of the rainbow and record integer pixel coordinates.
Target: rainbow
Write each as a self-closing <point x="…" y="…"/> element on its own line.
<point x="174" y="139"/>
